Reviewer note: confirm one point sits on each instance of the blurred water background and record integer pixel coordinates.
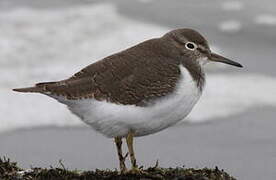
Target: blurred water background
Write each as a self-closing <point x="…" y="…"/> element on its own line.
<point x="232" y="126"/>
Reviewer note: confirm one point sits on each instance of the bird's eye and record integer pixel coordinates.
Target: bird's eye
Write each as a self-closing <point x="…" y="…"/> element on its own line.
<point x="191" y="46"/>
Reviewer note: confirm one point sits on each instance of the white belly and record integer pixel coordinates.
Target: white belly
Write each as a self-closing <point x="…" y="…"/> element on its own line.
<point x="117" y="120"/>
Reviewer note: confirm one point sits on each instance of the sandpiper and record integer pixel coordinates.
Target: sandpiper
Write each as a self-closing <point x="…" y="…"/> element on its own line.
<point x="139" y="91"/>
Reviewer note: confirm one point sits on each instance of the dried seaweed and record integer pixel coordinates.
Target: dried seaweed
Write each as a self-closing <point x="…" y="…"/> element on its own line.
<point x="10" y="171"/>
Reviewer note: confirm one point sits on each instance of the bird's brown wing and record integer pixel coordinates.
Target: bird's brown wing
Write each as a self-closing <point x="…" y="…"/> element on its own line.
<point x="123" y="78"/>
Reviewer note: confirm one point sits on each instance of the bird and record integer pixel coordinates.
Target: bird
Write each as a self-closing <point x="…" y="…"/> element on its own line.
<point x="139" y="91"/>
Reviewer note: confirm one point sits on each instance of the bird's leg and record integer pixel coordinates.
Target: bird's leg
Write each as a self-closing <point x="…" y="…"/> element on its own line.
<point x="118" y="142"/>
<point x="129" y="140"/>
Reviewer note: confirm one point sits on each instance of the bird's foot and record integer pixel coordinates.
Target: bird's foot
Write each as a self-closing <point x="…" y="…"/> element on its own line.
<point x="123" y="168"/>
<point x="136" y="170"/>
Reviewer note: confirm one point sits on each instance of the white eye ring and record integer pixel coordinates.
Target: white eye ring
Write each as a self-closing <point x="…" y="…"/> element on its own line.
<point x="191" y="46"/>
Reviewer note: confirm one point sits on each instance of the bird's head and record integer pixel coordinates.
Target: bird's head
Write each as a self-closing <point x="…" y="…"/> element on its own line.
<point x="192" y="44"/>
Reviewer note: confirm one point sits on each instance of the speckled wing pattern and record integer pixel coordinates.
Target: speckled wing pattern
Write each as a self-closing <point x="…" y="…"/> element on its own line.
<point x="133" y="77"/>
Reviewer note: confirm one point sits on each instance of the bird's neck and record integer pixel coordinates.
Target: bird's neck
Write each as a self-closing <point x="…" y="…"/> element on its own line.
<point x="196" y="71"/>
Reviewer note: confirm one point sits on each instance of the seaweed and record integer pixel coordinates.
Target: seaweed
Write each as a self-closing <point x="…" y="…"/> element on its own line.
<point x="10" y="171"/>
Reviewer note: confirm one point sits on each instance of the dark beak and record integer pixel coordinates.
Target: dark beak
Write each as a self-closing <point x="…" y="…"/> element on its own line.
<point x="218" y="58"/>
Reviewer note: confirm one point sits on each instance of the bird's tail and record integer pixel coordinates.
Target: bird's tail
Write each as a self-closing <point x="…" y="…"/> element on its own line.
<point x="38" y="88"/>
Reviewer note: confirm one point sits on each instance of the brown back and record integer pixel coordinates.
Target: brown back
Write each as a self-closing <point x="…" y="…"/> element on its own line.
<point x="133" y="76"/>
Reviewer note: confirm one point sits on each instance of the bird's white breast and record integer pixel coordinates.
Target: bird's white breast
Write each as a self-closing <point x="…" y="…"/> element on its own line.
<point x="117" y="120"/>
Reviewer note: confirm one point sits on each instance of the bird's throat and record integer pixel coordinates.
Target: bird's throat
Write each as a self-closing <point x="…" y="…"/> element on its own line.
<point x="195" y="68"/>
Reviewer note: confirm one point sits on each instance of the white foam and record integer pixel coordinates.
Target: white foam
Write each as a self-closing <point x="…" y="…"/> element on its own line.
<point x="32" y="110"/>
<point x="231" y="94"/>
<point x="230" y="26"/>
<point x="266" y="19"/>
<point x="232" y="5"/>
<point x="86" y="33"/>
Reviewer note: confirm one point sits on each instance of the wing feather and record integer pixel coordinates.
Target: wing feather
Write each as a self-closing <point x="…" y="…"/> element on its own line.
<point x="132" y="77"/>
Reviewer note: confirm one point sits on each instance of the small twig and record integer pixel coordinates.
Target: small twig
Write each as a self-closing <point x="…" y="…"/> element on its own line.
<point x="156" y="164"/>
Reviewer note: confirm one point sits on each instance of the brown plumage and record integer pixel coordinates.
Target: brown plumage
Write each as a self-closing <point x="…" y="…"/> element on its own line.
<point x="133" y="76"/>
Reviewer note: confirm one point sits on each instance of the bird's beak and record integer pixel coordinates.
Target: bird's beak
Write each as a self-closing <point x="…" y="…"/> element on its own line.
<point x="218" y="58"/>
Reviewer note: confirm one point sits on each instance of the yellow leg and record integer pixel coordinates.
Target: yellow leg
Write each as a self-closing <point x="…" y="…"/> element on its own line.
<point x="129" y="140"/>
<point x="118" y="142"/>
